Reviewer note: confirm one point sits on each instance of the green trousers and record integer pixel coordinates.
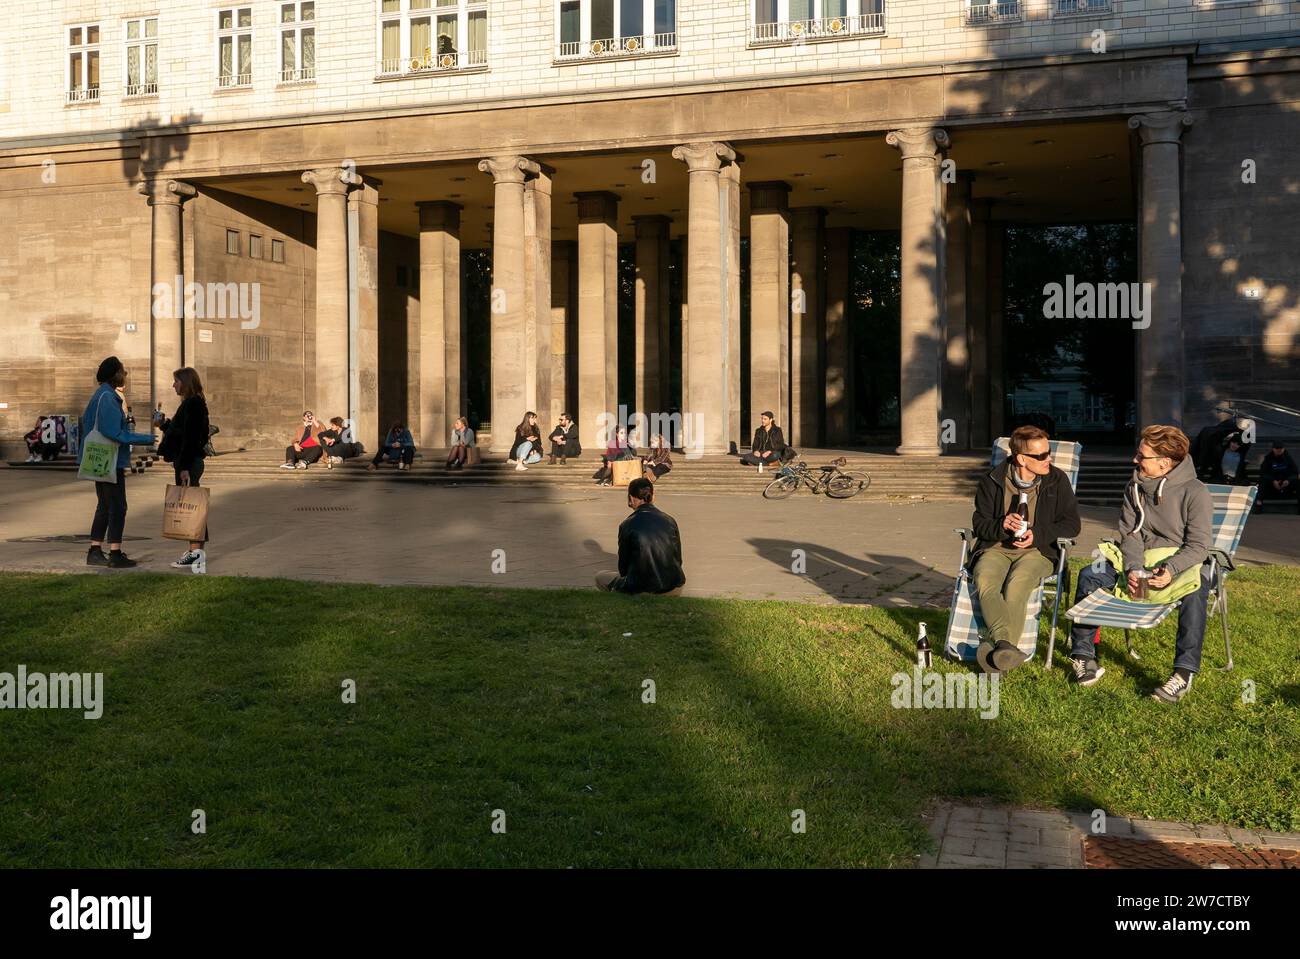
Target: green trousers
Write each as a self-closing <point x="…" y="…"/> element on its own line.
<point x="1004" y="582"/>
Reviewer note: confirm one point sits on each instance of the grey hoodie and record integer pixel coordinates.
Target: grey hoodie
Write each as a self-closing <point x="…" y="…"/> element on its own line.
<point x="1170" y="510"/>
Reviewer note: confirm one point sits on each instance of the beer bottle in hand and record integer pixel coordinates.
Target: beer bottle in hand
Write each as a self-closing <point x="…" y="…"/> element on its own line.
<point x="1022" y="510"/>
<point x="923" y="658"/>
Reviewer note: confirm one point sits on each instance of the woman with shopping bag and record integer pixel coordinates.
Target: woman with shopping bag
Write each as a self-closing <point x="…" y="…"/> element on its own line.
<point x="184" y="437"/>
<point x="103" y="457"/>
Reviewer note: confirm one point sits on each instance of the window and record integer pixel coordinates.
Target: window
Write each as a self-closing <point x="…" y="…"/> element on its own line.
<point x="232" y="242"/>
<point x="141" y="39"/>
<point x="597" y="28"/>
<point x="277" y="251"/>
<point x="254" y="246"/>
<point x="83" y="63"/>
<point x="235" y="47"/>
<point x="797" y="21"/>
<point x="1067" y="7"/>
<point x="980" y="12"/>
<point x="416" y="36"/>
<point x="297" y="41"/>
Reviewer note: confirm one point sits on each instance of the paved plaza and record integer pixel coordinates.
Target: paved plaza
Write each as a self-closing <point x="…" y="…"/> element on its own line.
<point x="879" y="553"/>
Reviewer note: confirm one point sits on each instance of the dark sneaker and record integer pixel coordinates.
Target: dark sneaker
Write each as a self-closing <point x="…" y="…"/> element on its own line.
<point x="1086" y="671"/>
<point x="1006" y="656"/>
<point x="119" y="560"/>
<point x="95" y="557"/>
<point x="1174" y="689"/>
<point x="186" y="561"/>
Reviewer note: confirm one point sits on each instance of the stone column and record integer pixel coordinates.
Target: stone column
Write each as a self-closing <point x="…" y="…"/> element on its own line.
<point x="564" y="332"/>
<point x="729" y="204"/>
<point x="839" y="395"/>
<point x="806" y="282"/>
<point x="508" y="305"/>
<point x="597" y="315"/>
<point x="1160" y="382"/>
<point x="769" y="302"/>
<point x="996" y="334"/>
<point x="166" y="286"/>
<point x="956" y="398"/>
<point x="684" y="345"/>
<point x="650" y="295"/>
<point x="708" y="347"/>
<point x="438" y="383"/>
<point x="977" y="322"/>
<point x="921" y="322"/>
<point x="331" y="330"/>
<point x="363" y="372"/>
<point x="537" y="240"/>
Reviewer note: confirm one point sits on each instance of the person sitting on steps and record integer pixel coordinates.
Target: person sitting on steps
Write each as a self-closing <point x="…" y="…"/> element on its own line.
<point x="306" y="449"/>
<point x="398" y="447"/>
<point x="617" y="450"/>
<point x="659" y="461"/>
<point x="768" y="448"/>
<point x="331" y="441"/>
<point x="462" y="441"/>
<point x="527" y="446"/>
<point x="564" y="440"/>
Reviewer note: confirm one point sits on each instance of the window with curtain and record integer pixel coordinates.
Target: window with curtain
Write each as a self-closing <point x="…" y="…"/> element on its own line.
<point x="235" y="47"/>
<point x="297" y="41"/>
<point x="801" y="10"/>
<point x="412" y="30"/>
<point x="476" y="42"/>
<point x="765" y="11"/>
<point x="141" y="37"/>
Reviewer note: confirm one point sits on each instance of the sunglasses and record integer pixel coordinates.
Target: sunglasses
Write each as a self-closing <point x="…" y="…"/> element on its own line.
<point x="1139" y="456"/>
<point x="1037" y="456"/>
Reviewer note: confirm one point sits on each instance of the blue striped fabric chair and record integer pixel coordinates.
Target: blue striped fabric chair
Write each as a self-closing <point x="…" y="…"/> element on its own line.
<point x="1231" y="508"/>
<point x="964" y="620"/>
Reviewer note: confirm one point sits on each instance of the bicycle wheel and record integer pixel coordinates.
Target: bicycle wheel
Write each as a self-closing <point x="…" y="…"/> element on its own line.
<point x="781" y="487"/>
<point x="847" y="483"/>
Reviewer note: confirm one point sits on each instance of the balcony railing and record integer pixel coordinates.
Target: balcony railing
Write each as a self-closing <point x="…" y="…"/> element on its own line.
<point x="617" y="47"/>
<point x="1067" y="7"/>
<point x="303" y="75"/>
<point x="141" y="89"/>
<point x="234" y="80"/>
<point x="825" y="28"/>
<point x="983" y="13"/>
<point x="83" y="95"/>
<point x="432" y="63"/>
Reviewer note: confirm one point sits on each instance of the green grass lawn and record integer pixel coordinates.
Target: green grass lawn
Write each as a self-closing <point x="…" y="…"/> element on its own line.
<point x="225" y="694"/>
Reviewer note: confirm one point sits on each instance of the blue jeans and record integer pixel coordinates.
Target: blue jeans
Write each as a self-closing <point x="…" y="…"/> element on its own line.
<point x="523" y="453"/>
<point x="1191" y="619"/>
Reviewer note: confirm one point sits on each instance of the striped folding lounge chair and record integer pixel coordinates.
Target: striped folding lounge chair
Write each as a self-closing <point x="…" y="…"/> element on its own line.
<point x="964" y="620"/>
<point x="1231" y="508"/>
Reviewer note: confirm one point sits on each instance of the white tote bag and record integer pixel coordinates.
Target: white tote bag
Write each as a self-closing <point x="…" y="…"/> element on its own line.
<point x="98" y="454"/>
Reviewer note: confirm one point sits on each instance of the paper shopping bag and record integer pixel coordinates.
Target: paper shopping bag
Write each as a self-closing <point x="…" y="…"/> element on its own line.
<point x="185" y="513"/>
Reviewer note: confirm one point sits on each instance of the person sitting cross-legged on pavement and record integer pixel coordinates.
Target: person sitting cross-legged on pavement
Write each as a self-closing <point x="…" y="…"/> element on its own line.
<point x="1007" y="566"/>
<point x="462" y="441"/>
<point x="649" y="548"/>
<point x="1278" y="474"/>
<point x="398" y="447"/>
<point x="1166" y="521"/>
<point x="564" y="440"/>
<point x="336" y="449"/>
<point x="768" y="448"/>
<point x="305" y="450"/>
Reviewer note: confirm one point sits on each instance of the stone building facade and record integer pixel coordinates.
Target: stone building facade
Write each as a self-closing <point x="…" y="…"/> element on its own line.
<point x="324" y="166"/>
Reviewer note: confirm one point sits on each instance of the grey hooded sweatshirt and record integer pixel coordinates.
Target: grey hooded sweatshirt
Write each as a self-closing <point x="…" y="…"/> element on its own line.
<point x="1170" y="510"/>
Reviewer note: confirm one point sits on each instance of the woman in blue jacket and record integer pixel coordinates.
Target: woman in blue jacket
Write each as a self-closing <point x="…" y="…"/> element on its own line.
<point x="398" y="445"/>
<point x="104" y="412"/>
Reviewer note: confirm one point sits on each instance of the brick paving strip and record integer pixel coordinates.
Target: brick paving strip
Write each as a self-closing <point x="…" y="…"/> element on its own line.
<point x="1005" y="837"/>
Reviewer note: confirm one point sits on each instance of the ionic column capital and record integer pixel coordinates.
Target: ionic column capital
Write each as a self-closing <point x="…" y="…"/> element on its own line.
<point x="1163" y="127"/>
<point x="509" y="169"/>
<point x="332" y="180"/>
<point x="918" y="143"/>
<point x="704" y="156"/>
<point x="166" y="192"/>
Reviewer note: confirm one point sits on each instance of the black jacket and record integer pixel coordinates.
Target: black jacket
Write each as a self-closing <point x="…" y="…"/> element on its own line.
<point x="650" y="551"/>
<point x="1056" y="515"/>
<point x="186" y="434"/>
<point x="568" y="441"/>
<point x="771" y="439"/>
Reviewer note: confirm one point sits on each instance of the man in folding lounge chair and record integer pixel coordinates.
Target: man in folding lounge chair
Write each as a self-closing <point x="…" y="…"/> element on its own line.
<point x="1008" y="564"/>
<point x="1165" y="525"/>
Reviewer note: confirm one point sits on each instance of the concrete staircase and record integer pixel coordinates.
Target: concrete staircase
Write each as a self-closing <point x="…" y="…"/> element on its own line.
<point x="65" y="463"/>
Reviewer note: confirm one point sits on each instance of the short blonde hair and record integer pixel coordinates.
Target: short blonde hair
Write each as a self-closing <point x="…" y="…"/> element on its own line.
<point x="1168" y="441"/>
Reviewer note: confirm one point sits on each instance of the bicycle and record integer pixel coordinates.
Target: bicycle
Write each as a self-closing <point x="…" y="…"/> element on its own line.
<point x="835" y="481"/>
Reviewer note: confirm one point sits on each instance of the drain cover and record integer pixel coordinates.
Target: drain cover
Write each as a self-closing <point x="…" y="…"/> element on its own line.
<point x="1114" y="852"/>
<point x="322" y="509"/>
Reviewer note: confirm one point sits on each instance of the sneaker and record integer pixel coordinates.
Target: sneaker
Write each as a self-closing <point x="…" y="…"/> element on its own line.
<point x="186" y="561"/>
<point x="286" y="466"/>
<point x="1174" y="688"/>
<point x="300" y="465"/>
<point x="33" y="459"/>
<point x="336" y="460"/>
<point x="95" y="556"/>
<point x="371" y="467"/>
<point x="520" y="467"/>
<point x="1086" y="671"/>
<point x="119" y="560"/>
